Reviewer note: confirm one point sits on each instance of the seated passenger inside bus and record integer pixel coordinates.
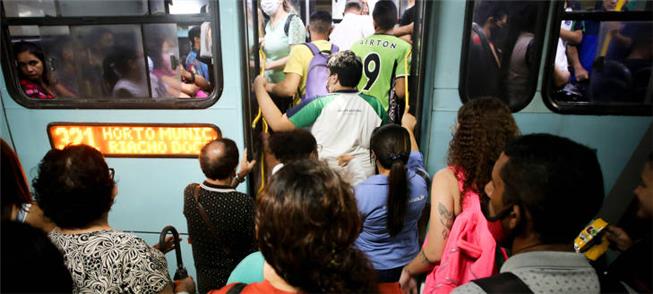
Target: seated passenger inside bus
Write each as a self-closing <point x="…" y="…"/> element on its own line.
<point x="33" y="73"/>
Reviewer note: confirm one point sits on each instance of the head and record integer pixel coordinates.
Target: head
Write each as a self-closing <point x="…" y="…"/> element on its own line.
<point x="194" y="37"/>
<point x="320" y="25"/>
<point x="15" y="190"/>
<point x="385" y="15"/>
<point x="123" y="62"/>
<point x="219" y="159"/>
<point x="270" y="7"/>
<point x="30" y="61"/>
<point x="390" y="145"/>
<point x="161" y="45"/>
<point x="345" y="70"/>
<point x="307" y="222"/>
<point x="644" y="191"/>
<point x="74" y="186"/>
<point x="484" y="127"/>
<point x="491" y="14"/>
<point x="354" y="7"/>
<point x="539" y="174"/>
<point x="293" y="145"/>
<point x="31" y="262"/>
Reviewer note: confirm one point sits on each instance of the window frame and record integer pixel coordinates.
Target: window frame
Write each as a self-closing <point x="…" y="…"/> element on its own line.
<point x="467" y="29"/>
<point x="15" y="91"/>
<point x="586" y="108"/>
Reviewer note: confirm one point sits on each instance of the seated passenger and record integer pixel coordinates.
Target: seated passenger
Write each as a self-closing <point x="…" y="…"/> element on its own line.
<point x="76" y="190"/>
<point x="342" y="122"/>
<point x="307" y="223"/>
<point x="30" y="262"/>
<point x="483" y="128"/>
<point x="304" y="74"/>
<point x="17" y="204"/>
<point x="126" y="67"/>
<point x="538" y="179"/>
<point x="391" y="202"/>
<point x="220" y="219"/>
<point x="196" y="72"/>
<point x="33" y="73"/>
<point x="292" y="145"/>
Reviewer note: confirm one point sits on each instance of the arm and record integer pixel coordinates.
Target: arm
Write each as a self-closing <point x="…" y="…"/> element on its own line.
<point x="400" y="86"/>
<point x="276" y="64"/>
<point x="61" y="91"/>
<point x="277" y="121"/>
<point x="286" y="88"/>
<point x="408" y="121"/>
<point x="198" y="80"/>
<point x="573" y="37"/>
<point x="246" y="166"/>
<point x="403" y="30"/>
<point x="580" y="72"/>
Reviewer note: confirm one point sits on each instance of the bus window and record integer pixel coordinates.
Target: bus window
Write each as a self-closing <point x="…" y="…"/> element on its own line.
<point x="601" y="61"/>
<point x="67" y="61"/>
<point x="501" y="50"/>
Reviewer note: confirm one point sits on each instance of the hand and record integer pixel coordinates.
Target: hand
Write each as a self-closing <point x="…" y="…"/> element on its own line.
<point x="246" y="166"/>
<point x="260" y="82"/>
<point x="344" y="159"/>
<point x="185" y="285"/>
<point x="407" y="283"/>
<point x="408" y="121"/>
<point x="581" y="74"/>
<point x="619" y="238"/>
<point x="168" y="245"/>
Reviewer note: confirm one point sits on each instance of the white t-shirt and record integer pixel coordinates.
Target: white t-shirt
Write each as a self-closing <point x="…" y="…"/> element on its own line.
<point x="352" y="28"/>
<point x="561" y="62"/>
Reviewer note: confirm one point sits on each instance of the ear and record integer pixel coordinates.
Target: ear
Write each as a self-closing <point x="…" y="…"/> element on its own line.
<point x="515" y="217"/>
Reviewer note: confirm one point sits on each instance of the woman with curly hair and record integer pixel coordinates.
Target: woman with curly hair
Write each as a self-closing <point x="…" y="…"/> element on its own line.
<point x="307" y="222"/>
<point x="459" y="247"/>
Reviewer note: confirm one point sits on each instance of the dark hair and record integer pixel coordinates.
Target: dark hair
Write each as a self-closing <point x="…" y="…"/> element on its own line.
<point x="547" y="173"/>
<point x="292" y="145"/>
<point x="385" y="14"/>
<point x="391" y="147"/>
<point x="347" y="66"/>
<point x="320" y="22"/>
<point x="353" y="5"/>
<point x="73" y="186"/>
<point x="30" y="262"/>
<point x="193" y="33"/>
<point x="116" y="64"/>
<point x="222" y="165"/>
<point x="650" y="159"/>
<point x="15" y="190"/>
<point x="157" y="34"/>
<point x="485" y="126"/>
<point x="489" y="8"/>
<point x="35" y="50"/>
<point x="307" y="222"/>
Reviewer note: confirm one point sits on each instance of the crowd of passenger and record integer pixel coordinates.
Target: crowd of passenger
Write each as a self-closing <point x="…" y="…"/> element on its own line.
<point x="340" y="211"/>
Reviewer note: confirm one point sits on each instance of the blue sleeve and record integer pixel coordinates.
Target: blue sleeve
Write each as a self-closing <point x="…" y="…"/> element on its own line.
<point x="415" y="160"/>
<point x="361" y="193"/>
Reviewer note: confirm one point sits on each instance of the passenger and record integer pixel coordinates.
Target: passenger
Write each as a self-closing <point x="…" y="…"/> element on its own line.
<point x="353" y="26"/>
<point x="633" y="266"/>
<point x="303" y="77"/>
<point x="567" y="36"/>
<point x="384" y="59"/>
<point x="342" y="122"/>
<point x="30" y="262"/>
<point x="483" y="128"/>
<point x="17" y="204"/>
<point x="291" y="146"/>
<point x="283" y="30"/>
<point x="533" y="176"/>
<point x="220" y="219"/>
<point x="66" y="64"/>
<point x="33" y="73"/>
<point x="97" y="45"/>
<point x="406" y="24"/>
<point x="125" y="69"/>
<point x="307" y="223"/>
<point x="196" y="72"/>
<point x="391" y="202"/>
<point x="76" y="190"/>
<point x="520" y="60"/>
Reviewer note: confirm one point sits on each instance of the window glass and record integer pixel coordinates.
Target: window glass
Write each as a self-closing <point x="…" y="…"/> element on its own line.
<point x="504" y="46"/>
<point x="188" y="7"/>
<point x="610" y="5"/>
<point x="102" y="7"/>
<point x="29" y="8"/>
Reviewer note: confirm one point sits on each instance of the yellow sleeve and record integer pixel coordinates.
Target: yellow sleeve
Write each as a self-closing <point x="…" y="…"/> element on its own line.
<point x="297" y="59"/>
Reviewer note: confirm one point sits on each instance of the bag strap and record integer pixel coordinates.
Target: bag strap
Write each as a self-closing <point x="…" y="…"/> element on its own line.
<point x="503" y="283"/>
<point x="313" y="48"/>
<point x="286" y="26"/>
<point x="203" y="214"/>
<point x="237" y="288"/>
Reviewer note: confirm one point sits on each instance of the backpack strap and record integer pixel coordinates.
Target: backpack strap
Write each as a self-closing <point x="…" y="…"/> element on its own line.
<point x="203" y="214"/>
<point x="334" y="49"/>
<point x="237" y="288"/>
<point x="503" y="283"/>
<point x="286" y="26"/>
<point x="313" y="48"/>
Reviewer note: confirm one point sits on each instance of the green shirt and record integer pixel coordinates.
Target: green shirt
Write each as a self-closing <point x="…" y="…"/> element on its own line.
<point x="384" y="58"/>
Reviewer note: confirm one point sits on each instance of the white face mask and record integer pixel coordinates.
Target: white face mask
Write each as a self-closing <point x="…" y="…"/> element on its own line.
<point x="269" y="7"/>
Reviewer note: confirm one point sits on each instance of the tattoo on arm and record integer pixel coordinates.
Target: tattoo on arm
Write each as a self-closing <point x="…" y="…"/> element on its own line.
<point x="446" y="218"/>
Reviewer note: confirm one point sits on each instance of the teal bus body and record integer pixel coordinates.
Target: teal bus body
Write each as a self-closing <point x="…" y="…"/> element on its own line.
<point x="151" y="189"/>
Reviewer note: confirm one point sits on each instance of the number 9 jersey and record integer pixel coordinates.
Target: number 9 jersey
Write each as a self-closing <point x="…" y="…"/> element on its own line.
<point x="385" y="58"/>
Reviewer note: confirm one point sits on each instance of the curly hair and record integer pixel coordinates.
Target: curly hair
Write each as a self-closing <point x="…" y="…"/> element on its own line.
<point x="307" y="221"/>
<point x="347" y="66"/>
<point x="485" y="127"/>
<point x="73" y="186"/>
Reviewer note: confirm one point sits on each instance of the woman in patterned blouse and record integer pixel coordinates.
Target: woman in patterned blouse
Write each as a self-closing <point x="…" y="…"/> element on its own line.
<point x="33" y="73"/>
<point x="75" y="188"/>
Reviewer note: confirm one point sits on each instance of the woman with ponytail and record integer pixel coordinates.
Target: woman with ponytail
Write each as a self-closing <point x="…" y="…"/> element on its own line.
<point x="391" y="201"/>
<point x="306" y="225"/>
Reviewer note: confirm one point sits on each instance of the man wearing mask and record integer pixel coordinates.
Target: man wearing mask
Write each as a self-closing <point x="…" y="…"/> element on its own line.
<point x="535" y="175"/>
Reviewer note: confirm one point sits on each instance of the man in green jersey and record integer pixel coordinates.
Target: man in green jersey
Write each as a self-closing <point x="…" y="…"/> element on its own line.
<point x="341" y="122"/>
<point x="386" y="62"/>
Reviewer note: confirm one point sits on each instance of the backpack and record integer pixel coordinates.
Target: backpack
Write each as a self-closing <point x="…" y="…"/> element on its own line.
<point x="318" y="72"/>
<point x="286" y="26"/>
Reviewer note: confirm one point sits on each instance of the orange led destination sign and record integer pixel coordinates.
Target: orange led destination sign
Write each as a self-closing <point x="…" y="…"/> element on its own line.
<point x="135" y="140"/>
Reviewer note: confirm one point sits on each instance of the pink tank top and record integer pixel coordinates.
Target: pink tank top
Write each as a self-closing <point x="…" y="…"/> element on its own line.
<point x="470" y="250"/>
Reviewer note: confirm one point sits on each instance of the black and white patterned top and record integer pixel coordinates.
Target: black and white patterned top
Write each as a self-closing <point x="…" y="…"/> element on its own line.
<point x="112" y="262"/>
